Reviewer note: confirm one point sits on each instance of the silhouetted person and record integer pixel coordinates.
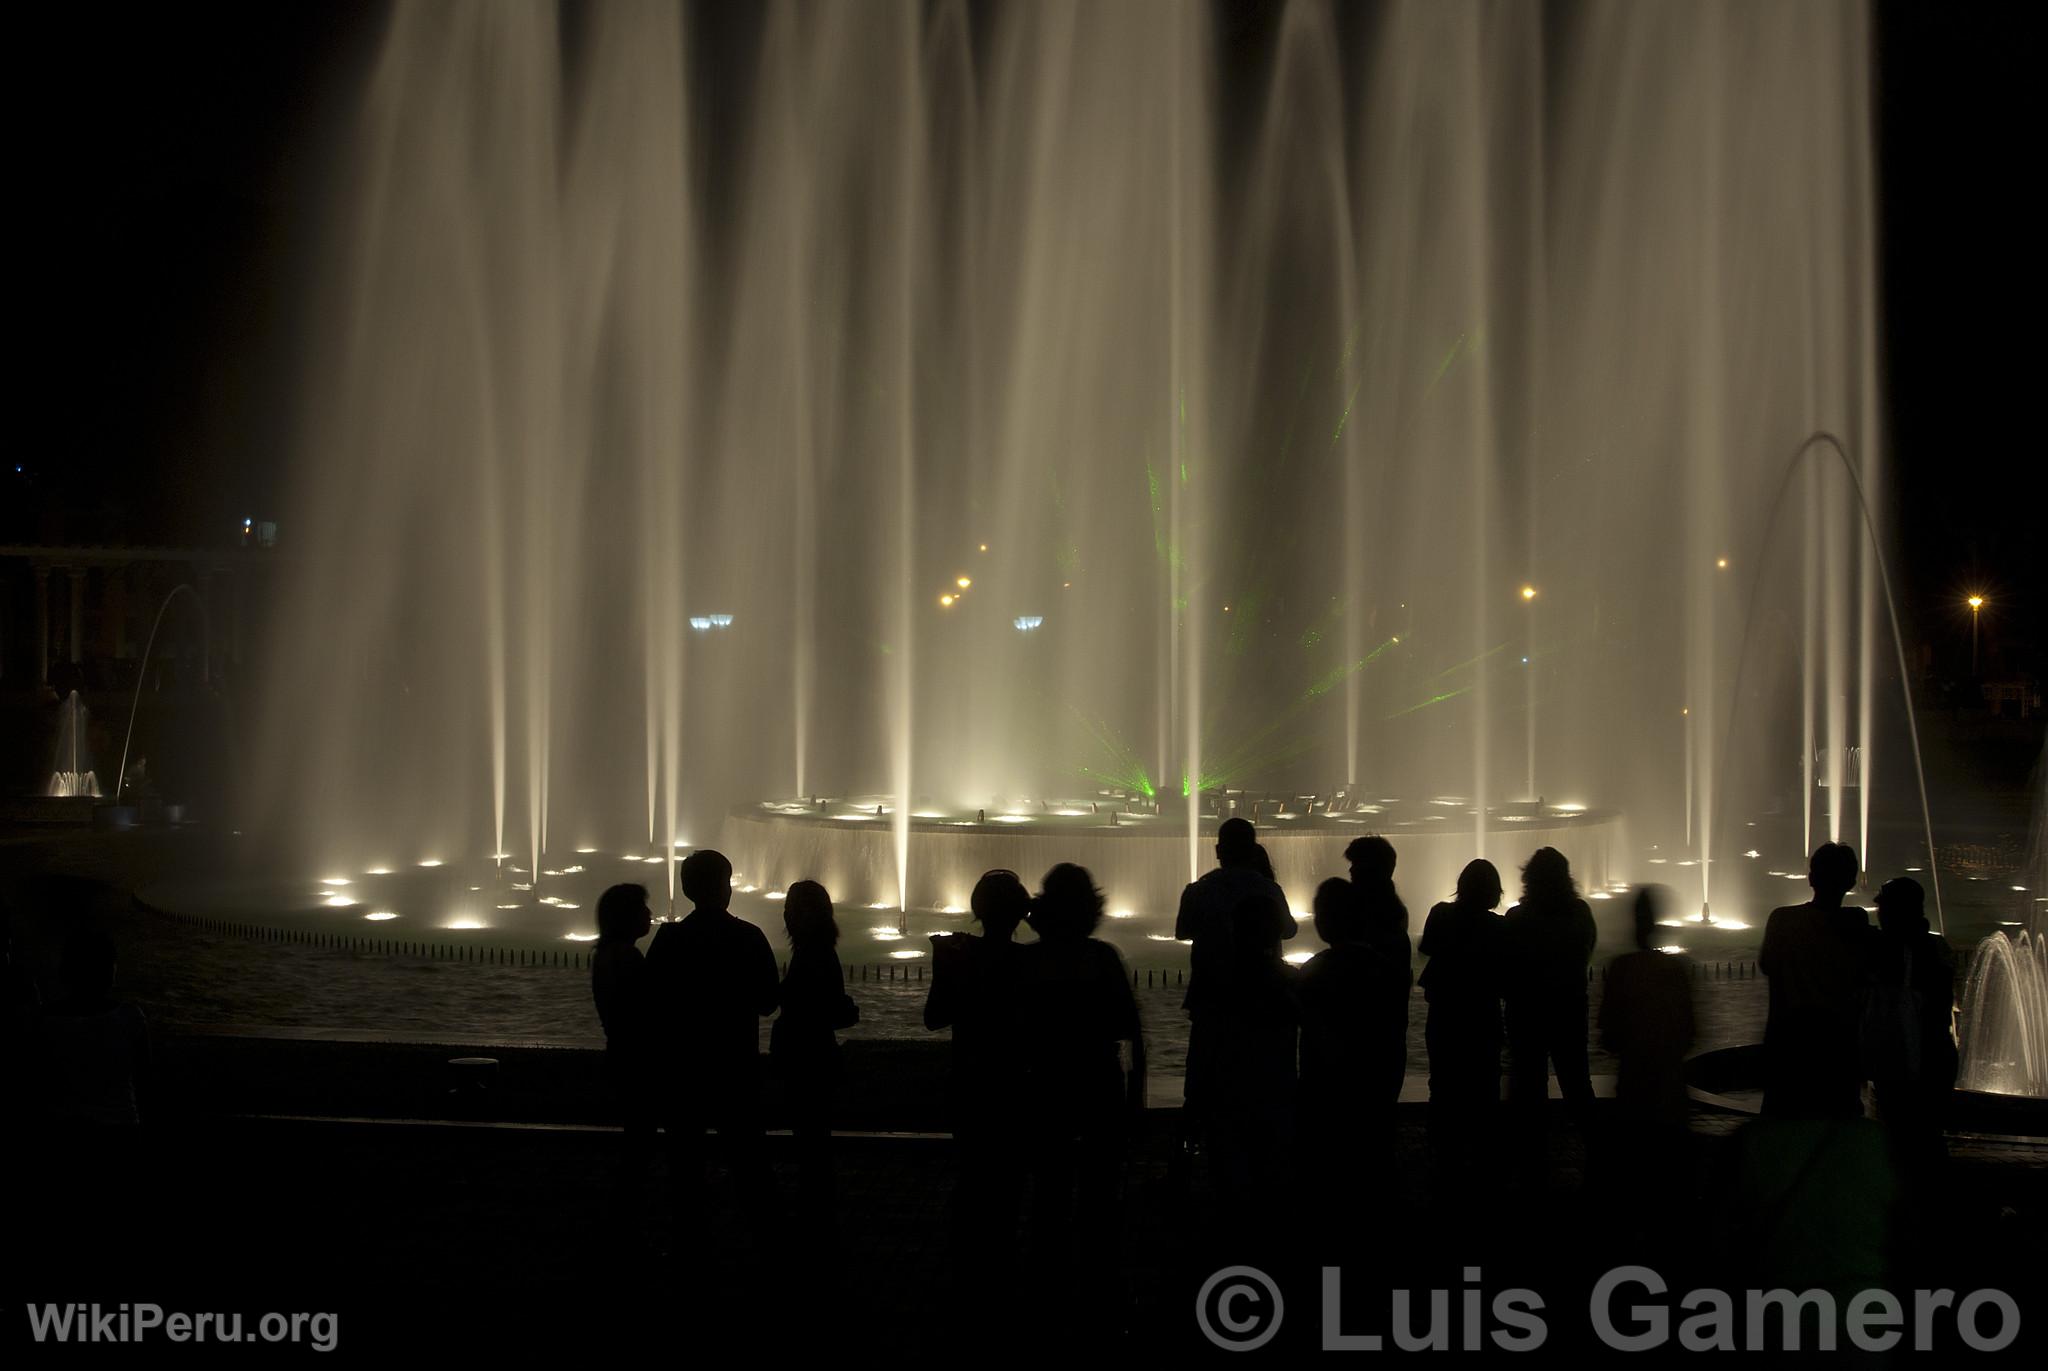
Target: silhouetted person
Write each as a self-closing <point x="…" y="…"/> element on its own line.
<point x="1908" y="1040"/>
<point x="1646" y="1021"/>
<point x="1384" y="919"/>
<point x="618" y="984"/>
<point x="1817" y="955"/>
<point x="803" y="1045"/>
<point x="1381" y="921"/>
<point x="974" y="992"/>
<point x="1249" y="1104"/>
<point x="1208" y="919"/>
<point x="1549" y="937"/>
<point x="1464" y="942"/>
<point x="711" y="980"/>
<point x="1078" y="1010"/>
<point x="1353" y="1001"/>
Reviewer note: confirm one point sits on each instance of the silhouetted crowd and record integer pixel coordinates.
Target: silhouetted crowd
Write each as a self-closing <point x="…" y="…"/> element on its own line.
<point x="1048" y="1061"/>
<point x="1048" y="1053"/>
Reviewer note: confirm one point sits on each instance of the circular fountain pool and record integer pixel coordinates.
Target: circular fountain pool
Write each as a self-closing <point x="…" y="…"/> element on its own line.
<point x="1142" y="853"/>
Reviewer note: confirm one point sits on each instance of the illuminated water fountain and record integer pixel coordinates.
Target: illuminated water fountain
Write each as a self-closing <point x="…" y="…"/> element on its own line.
<point x="1052" y="399"/>
<point x="71" y="770"/>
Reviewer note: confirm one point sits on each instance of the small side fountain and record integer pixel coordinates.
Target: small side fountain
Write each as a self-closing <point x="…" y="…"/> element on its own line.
<point x="2004" y="1018"/>
<point x="71" y="772"/>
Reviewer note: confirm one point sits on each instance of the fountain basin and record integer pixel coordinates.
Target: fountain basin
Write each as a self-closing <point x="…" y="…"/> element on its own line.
<point x="1143" y="859"/>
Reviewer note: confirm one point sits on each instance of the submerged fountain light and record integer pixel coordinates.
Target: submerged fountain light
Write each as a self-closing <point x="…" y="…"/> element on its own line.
<point x="431" y="861"/>
<point x="1024" y="623"/>
<point x="705" y="622"/>
<point x="1528" y="592"/>
<point x="380" y="916"/>
<point x="579" y="937"/>
<point x="465" y="926"/>
<point x="334" y="880"/>
<point x="378" y="871"/>
<point x="963" y="581"/>
<point x="906" y="955"/>
<point x="946" y="601"/>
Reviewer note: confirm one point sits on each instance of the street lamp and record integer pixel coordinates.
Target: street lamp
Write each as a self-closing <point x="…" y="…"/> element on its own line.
<point x="1976" y="602"/>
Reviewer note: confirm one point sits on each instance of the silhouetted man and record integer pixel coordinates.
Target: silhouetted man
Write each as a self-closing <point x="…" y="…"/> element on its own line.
<point x="1212" y="910"/>
<point x="1381" y="922"/>
<point x="1817" y="955"/>
<point x="710" y="981"/>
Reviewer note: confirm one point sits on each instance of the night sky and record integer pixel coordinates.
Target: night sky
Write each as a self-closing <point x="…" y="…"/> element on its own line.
<point x="175" y="158"/>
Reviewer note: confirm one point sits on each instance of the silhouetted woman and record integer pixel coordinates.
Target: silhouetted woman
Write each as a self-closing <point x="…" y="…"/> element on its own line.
<point x="618" y="983"/>
<point x="1549" y="943"/>
<point x="1078" y="1011"/>
<point x="1908" y="1043"/>
<point x="974" y="993"/>
<point x="802" y="1046"/>
<point x="1337" y="991"/>
<point x="1462" y="939"/>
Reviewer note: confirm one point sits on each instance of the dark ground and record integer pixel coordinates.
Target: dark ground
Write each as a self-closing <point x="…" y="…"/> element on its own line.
<point x="489" y="1236"/>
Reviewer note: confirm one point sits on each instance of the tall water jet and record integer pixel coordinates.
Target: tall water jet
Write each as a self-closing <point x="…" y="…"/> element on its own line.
<point x="1121" y="316"/>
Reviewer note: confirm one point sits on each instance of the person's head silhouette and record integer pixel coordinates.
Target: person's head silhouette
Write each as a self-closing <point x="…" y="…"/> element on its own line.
<point x="1336" y="914"/>
<point x="1372" y="860"/>
<point x="622" y="914"/>
<point x="807" y="916"/>
<point x="1237" y="843"/>
<point x="1832" y="872"/>
<point x="1547" y="876"/>
<point x="1000" y="903"/>
<point x="1902" y="907"/>
<point x="1651" y="902"/>
<point x="1479" y="885"/>
<point x="1067" y="906"/>
<point x="706" y="879"/>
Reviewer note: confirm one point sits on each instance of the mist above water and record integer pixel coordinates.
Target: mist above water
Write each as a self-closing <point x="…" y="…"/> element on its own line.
<point x="671" y="366"/>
